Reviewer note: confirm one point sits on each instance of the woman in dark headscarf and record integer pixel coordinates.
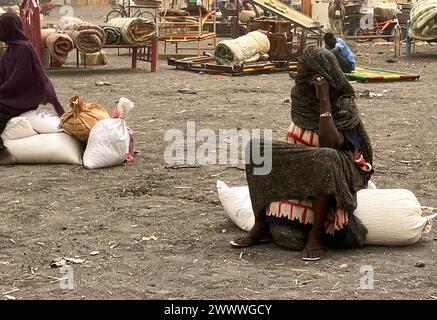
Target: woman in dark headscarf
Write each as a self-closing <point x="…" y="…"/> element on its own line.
<point x="24" y="84"/>
<point x="326" y="161"/>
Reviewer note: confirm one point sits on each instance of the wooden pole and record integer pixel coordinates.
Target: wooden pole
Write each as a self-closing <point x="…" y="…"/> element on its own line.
<point x="236" y="28"/>
<point x="306" y="7"/>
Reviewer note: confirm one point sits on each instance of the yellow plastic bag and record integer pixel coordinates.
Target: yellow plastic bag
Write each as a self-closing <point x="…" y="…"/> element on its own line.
<point x="82" y="117"/>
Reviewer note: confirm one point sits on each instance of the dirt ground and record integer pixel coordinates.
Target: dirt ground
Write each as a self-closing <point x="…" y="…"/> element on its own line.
<point x="54" y="211"/>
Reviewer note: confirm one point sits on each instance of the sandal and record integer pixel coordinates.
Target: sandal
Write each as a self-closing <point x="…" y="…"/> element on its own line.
<point x="308" y="251"/>
<point x="248" y="241"/>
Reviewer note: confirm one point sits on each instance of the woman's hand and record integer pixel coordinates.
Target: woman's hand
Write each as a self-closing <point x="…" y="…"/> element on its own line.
<point x="322" y="87"/>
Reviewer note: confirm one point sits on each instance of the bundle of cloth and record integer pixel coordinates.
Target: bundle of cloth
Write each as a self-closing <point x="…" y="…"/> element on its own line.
<point x="249" y="48"/>
<point x="134" y="31"/>
<point x="386" y="10"/>
<point x="423" y="17"/>
<point x="113" y="35"/>
<point x="87" y="37"/>
<point x="59" y="45"/>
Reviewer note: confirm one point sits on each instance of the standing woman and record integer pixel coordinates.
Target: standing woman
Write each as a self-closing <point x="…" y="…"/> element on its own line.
<point x="24" y="84"/>
<point x="327" y="170"/>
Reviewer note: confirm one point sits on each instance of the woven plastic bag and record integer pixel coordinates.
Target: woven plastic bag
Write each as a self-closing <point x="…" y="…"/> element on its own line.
<point x="109" y="140"/>
<point x="18" y="128"/>
<point x="237" y="204"/>
<point x="393" y="217"/>
<point x="59" y="148"/>
<point x="42" y="122"/>
<point x="82" y="118"/>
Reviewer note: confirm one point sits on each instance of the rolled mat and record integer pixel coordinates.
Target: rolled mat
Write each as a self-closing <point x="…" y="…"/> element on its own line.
<point x="135" y="31"/>
<point x="423" y="17"/>
<point x="113" y="35"/>
<point x="243" y="49"/>
<point x="87" y="37"/>
<point x="59" y="45"/>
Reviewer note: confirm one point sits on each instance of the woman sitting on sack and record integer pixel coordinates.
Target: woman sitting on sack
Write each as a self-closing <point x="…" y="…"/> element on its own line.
<point x="326" y="161"/>
<point x="24" y="84"/>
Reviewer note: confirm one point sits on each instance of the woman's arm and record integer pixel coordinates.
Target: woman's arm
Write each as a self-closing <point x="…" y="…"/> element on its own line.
<point x="58" y="108"/>
<point x="329" y="136"/>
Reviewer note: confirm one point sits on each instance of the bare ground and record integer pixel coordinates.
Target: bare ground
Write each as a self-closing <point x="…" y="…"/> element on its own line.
<point x="51" y="211"/>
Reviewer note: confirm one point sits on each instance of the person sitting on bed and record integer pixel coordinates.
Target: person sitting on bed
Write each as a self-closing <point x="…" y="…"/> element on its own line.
<point x="24" y="84"/>
<point x="341" y="51"/>
<point x="321" y="168"/>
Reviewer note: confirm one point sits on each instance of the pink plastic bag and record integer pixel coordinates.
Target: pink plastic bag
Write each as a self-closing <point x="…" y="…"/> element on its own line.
<point x="130" y="154"/>
<point x="123" y="107"/>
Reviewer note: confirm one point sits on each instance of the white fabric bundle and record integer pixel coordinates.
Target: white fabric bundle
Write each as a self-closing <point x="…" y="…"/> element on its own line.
<point x="18" y="128"/>
<point x="248" y="48"/>
<point x="393" y="217"/>
<point x="46" y="148"/>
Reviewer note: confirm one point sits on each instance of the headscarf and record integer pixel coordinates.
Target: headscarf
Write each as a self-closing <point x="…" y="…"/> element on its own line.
<point x="12" y="27"/>
<point x="305" y="107"/>
<point x="24" y="84"/>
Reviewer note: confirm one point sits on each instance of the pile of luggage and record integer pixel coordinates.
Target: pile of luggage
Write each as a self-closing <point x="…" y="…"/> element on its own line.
<point x="84" y="135"/>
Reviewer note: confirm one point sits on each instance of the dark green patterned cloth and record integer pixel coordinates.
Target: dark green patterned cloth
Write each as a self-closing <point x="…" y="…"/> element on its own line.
<point x="113" y="35"/>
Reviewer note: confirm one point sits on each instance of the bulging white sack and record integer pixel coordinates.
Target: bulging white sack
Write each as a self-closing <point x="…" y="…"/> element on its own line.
<point x="43" y="122"/>
<point x="393" y="217"/>
<point x="58" y="148"/>
<point x="107" y="145"/>
<point x="237" y="204"/>
<point x="18" y="128"/>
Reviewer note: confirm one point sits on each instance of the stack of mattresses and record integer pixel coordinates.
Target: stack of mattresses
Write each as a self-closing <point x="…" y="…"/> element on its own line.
<point x="87" y="37"/>
<point x="423" y="18"/>
<point x="134" y="31"/>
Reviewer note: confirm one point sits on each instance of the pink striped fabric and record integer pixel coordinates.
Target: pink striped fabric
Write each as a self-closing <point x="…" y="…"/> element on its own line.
<point x="302" y="210"/>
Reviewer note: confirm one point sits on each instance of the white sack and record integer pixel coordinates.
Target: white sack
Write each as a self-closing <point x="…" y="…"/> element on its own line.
<point x="237" y="204"/>
<point x="18" y="128"/>
<point x="43" y="122"/>
<point x="107" y="145"/>
<point x="393" y="217"/>
<point x="46" y="148"/>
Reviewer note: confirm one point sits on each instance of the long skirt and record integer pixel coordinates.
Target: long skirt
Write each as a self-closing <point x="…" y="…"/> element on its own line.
<point x="302" y="172"/>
